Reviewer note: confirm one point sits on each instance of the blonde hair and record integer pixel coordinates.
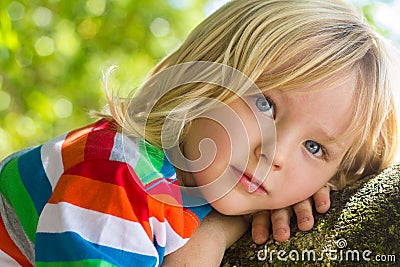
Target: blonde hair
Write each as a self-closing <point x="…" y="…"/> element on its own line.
<point x="279" y="44"/>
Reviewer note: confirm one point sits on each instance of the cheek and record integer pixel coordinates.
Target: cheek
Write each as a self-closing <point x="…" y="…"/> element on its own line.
<point x="209" y="148"/>
<point x="205" y="138"/>
<point x="302" y="183"/>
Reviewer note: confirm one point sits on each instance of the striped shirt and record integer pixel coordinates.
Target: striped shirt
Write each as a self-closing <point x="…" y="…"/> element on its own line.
<point x="92" y="197"/>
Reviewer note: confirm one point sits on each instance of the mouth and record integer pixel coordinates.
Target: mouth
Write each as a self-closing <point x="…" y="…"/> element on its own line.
<point x="251" y="184"/>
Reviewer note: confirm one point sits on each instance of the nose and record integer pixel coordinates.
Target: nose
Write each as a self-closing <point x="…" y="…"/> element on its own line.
<point x="276" y="166"/>
<point x="264" y="149"/>
<point x="284" y="146"/>
<point x="280" y="155"/>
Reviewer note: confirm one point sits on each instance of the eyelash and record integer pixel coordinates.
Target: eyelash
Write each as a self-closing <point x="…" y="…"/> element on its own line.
<point x="325" y="154"/>
<point x="273" y="105"/>
<point x="270" y="102"/>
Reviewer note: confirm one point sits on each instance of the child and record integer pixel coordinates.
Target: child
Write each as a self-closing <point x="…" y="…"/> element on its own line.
<point x="263" y="104"/>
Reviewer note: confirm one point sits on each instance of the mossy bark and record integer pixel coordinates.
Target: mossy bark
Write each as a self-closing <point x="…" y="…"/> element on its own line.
<point x="362" y="228"/>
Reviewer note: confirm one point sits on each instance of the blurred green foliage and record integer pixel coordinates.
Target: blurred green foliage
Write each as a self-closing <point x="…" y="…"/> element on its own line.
<point x="53" y="52"/>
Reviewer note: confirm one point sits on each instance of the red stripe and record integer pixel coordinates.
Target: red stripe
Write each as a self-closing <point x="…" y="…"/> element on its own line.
<point x="120" y="174"/>
<point x="87" y="142"/>
<point x="8" y="246"/>
<point x="165" y="187"/>
<point x="100" y="140"/>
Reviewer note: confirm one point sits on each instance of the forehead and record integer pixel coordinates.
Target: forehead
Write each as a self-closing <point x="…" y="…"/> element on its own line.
<point x="326" y="107"/>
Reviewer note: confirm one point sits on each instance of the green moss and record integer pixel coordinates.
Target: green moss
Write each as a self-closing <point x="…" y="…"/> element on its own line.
<point x="363" y="223"/>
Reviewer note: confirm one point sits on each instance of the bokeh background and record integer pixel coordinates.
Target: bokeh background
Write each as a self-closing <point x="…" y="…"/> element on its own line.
<point x="53" y="52"/>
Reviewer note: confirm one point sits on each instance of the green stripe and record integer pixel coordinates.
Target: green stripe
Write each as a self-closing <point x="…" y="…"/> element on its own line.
<point x="86" y="263"/>
<point x="150" y="162"/>
<point x="15" y="193"/>
<point x="156" y="155"/>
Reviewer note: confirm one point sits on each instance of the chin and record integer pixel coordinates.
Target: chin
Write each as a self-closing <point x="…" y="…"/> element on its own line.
<point x="226" y="208"/>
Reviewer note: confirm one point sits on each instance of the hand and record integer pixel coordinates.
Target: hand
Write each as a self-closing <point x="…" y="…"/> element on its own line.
<point x="280" y="219"/>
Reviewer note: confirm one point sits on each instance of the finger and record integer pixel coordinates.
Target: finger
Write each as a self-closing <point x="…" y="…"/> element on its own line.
<point x="260" y="226"/>
<point x="304" y="214"/>
<point x="248" y="218"/>
<point x="280" y="220"/>
<point x="322" y="199"/>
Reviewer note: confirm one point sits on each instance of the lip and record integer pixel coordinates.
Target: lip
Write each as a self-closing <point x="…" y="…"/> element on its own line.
<point x="250" y="183"/>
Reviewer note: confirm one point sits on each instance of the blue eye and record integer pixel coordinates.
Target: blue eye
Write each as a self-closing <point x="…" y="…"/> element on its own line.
<point x="313" y="147"/>
<point x="265" y="105"/>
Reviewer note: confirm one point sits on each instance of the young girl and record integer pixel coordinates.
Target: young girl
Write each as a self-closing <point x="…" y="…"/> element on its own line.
<point x="263" y="104"/>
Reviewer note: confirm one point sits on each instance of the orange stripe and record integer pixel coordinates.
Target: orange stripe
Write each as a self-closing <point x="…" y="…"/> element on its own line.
<point x="183" y="221"/>
<point x="8" y="246"/>
<point x="97" y="196"/>
<point x="191" y="223"/>
<point x="73" y="148"/>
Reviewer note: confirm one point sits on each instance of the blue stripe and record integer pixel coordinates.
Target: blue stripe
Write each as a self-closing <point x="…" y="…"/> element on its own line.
<point x="201" y="211"/>
<point x="34" y="178"/>
<point x="167" y="169"/>
<point x="148" y="176"/>
<point x="69" y="246"/>
<point x="189" y="200"/>
<point x="160" y="181"/>
<point x="160" y="251"/>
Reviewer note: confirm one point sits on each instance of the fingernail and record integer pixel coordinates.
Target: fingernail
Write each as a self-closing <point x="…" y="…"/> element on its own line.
<point x="281" y="231"/>
<point x="259" y="237"/>
<point x="321" y="204"/>
<point x="304" y="219"/>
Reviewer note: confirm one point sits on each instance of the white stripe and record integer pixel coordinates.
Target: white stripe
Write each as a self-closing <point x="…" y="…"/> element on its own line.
<point x="7" y="261"/>
<point x="166" y="236"/>
<point x="125" y="149"/>
<point x="52" y="159"/>
<point x="96" y="227"/>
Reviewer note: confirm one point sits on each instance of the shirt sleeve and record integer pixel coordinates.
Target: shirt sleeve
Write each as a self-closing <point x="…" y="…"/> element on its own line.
<point x="97" y="216"/>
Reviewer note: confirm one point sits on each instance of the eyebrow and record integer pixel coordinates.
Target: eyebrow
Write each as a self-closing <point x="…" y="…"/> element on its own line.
<point x="326" y="136"/>
<point x="334" y="148"/>
<point x="326" y="133"/>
